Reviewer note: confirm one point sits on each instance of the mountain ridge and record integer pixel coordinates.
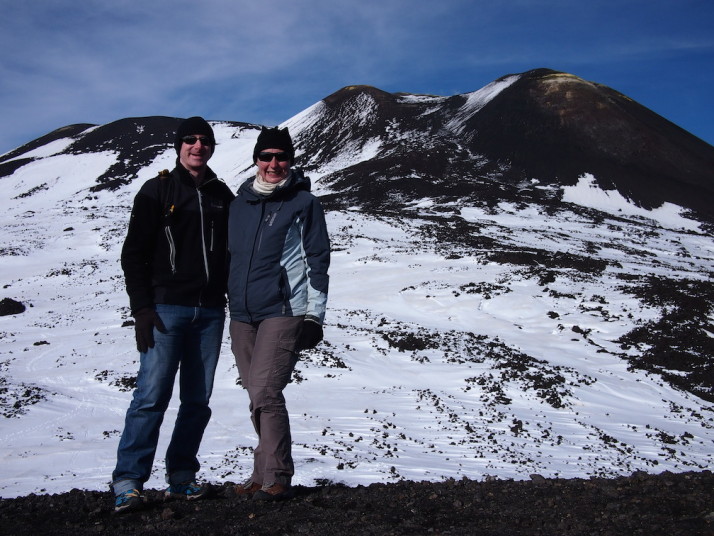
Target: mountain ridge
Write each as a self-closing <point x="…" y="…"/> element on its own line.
<point x="543" y="125"/>
<point x="526" y="131"/>
<point x="623" y="144"/>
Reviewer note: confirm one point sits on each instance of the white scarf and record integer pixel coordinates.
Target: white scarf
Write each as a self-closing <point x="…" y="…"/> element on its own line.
<point x="262" y="187"/>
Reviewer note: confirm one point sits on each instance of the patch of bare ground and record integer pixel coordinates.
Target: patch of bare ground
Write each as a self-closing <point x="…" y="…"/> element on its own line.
<point x="641" y="504"/>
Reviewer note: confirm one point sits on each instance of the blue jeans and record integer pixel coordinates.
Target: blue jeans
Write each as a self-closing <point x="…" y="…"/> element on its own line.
<point x="192" y="344"/>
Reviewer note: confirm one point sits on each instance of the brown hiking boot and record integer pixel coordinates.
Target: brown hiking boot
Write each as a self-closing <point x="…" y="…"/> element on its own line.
<point x="246" y="490"/>
<point x="274" y="492"/>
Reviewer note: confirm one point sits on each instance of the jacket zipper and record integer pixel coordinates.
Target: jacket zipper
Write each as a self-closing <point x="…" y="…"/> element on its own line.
<point x="172" y="249"/>
<point x="256" y="242"/>
<point x="203" y="240"/>
<point x="172" y="246"/>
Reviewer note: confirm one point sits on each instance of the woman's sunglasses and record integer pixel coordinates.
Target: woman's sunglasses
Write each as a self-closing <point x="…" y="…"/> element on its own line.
<point x="268" y="157"/>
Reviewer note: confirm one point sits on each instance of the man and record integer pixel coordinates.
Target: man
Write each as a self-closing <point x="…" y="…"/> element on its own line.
<point x="175" y="266"/>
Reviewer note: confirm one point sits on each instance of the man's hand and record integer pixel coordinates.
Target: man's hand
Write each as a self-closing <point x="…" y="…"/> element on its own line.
<point x="144" y="322"/>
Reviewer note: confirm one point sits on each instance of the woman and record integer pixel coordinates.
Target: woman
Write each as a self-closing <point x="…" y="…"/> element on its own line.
<point x="277" y="291"/>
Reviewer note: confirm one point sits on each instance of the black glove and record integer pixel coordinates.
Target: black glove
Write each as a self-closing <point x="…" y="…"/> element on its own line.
<point x="311" y="334"/>
<point x="144" y="322"/>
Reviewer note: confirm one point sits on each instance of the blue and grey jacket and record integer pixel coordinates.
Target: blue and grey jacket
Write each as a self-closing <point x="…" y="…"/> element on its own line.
<point x="279" y="253"/>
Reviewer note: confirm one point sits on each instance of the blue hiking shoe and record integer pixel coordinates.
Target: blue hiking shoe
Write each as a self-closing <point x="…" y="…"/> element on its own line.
<point x="128" y="501"/>
<point x="191" y="491"/>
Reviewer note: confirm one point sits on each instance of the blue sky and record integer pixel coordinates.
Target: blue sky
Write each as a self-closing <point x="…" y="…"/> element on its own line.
<point x="96" y="61"/>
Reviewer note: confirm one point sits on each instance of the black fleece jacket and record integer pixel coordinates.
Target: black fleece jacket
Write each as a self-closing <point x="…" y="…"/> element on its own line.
<point x="178" y="255"/>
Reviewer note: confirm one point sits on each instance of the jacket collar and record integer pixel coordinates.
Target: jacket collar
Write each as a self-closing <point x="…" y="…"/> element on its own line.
<point x="187" y="179"/>
<point x="296" y="181"/>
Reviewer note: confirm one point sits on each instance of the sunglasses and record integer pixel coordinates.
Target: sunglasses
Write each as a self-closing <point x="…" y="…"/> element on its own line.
<point x="268" y="157"/>
<point x="190" y="140"/>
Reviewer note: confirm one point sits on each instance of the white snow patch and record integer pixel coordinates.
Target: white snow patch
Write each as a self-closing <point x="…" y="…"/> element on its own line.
<point x="351" y="155"/>
<point x="587" y="193"/>
<point x="49" y="149"/>
<point x="305" y="119"/>
<point x="477" y="100"/>
<point x="422" y="99"/>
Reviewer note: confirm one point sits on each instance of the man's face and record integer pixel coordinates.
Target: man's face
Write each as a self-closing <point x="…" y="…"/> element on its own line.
<point x="276" y="169"/>
<point x="196" y="151"/>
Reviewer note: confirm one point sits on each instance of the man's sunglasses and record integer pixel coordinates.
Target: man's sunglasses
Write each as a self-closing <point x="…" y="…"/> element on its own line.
<point x="268" y="157"/>
<point x="190" y="140"/>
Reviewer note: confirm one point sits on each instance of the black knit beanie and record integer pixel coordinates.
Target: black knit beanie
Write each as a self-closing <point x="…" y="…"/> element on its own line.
<point x="193" y="125"/>
<point x="274" y="138"/>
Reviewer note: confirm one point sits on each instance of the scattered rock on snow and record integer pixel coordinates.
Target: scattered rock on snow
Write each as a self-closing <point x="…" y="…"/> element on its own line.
<point x="8" y="306"/>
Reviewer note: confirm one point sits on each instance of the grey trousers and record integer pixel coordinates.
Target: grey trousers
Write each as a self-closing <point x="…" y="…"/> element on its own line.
<point x="265" y="354"/>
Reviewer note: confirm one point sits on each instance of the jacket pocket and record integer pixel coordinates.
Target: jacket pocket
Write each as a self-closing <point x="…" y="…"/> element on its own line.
<point x="284" y="362"/>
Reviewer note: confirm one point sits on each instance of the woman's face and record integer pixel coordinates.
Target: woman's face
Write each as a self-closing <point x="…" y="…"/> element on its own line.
<point x="276" y="168"/>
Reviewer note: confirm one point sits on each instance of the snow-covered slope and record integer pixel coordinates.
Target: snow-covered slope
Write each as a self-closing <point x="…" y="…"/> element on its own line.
<point x="466" y="335"/>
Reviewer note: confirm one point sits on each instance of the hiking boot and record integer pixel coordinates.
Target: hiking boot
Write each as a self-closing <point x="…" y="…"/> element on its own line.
<point x="128" y="501"/>
<point x="273" y="492"/>
<point x="191" y="491"/>
<point x="248" y="489"/>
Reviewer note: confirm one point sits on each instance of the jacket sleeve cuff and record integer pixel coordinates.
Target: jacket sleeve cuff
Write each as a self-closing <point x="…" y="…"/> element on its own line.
<point x="312" y="318"/>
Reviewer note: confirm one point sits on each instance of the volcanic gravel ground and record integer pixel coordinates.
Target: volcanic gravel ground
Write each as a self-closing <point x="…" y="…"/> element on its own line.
<point x="667" y="504"/>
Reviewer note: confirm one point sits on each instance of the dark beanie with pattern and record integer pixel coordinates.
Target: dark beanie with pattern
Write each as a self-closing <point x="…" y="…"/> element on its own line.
<point x="191" y="126"/>
<point x="274" y="138"/>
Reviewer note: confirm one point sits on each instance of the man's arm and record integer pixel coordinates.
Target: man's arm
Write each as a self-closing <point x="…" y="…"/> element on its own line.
<point x="138" y="250"/>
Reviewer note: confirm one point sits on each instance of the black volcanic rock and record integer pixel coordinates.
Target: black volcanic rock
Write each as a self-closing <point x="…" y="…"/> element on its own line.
<point x="671" y="504"/>
<point x="547" y="126"/>
<point x="555" y="126"/>
<point x="8" y="306"/>
<point x="418" y="154"/>
<point x="138" y="140"/>
<point x="357" y="115"/>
